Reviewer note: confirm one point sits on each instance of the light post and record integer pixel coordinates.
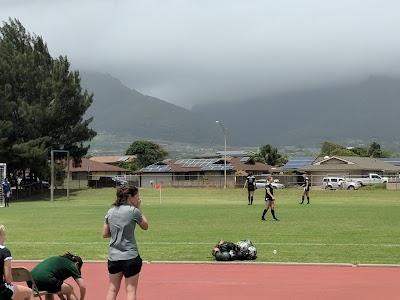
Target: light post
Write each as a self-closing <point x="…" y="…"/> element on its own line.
<point x="224" y="129"/>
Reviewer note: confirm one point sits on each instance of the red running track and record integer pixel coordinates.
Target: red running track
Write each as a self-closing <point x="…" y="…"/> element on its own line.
<point x="195" y="281"/>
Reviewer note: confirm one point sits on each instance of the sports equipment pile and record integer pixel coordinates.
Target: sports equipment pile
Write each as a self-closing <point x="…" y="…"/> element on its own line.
<point x="242" y="250"/>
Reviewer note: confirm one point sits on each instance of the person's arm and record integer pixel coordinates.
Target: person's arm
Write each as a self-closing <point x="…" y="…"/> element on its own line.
<point x="7" y="271"/>
<point x="82" y="288"/>
<point x="144" y="224"/>
<point x="245" y="184"/>
<point x="106" y="231"/>
<point x="269" y="193"/>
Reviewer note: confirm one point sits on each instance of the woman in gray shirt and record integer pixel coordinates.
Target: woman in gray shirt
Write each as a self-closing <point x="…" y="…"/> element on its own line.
<point x="123" y="258"/>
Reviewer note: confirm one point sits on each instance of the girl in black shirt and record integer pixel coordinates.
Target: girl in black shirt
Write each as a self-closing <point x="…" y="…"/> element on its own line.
<point x="269" y="199"/>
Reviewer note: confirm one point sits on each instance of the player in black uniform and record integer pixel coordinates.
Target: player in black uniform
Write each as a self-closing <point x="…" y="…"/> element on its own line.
<point x="269" y="199"/>
<point x="306" y="186"/>
<point x="251" y="186"/>
<point x="8" y="290"/>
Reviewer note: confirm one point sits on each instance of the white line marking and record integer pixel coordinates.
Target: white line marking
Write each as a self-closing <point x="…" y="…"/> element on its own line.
<point x="205" y="243"/>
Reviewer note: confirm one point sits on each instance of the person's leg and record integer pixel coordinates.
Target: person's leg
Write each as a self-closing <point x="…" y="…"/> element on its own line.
<point x="49" y="297"/>
<point x="273" y="211"/>
<point x="302" y="197"/>
<point x="248" y="197"/>
<point x="131" y="284"/>
<point x="115" y="284"/>
<point x="22" y="293"/>
<point x="251" y="197"/>
<point x="68" y="291"/>
<point x="308" y="198"/>
<point x="265" y="210"/>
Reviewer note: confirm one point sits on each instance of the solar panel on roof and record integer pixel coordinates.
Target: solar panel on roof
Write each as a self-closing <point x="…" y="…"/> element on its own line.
<point x="392" y="160"/>
<point x="182" y="161"/>
<point x="217" y="167"/>
<point x="198" y="163"/>
<point x="298" y="162"/>
<point x="246" y="158"/>
<point x="124" y="158"/>
<point x="156" y="168"/>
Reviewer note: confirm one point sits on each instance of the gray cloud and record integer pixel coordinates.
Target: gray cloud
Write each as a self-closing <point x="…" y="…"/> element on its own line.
<point x="192" y="51"/>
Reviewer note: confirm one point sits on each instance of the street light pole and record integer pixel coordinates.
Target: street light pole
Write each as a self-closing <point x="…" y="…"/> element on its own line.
<point x="223" y="128"/>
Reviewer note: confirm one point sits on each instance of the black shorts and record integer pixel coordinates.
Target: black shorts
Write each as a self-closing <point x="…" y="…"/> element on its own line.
<point x="51" y="287"/>
<point x="129" y="267"/>
<point x="251" y="188"/>
<point x="6" y="291"/>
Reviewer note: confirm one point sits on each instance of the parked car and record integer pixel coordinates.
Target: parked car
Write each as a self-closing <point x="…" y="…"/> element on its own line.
<point x="334" y="183"/>
<point x="370" y="179"/>
<point x="260" y="184"/>
<point x="120" y="181"/>
<point x="106" y="181"/>
<point x="27" y="181"/>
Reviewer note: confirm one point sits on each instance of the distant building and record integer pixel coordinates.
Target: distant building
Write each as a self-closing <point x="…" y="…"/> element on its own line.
<point x="114" y="160"/>
<point x="201" y="172"/>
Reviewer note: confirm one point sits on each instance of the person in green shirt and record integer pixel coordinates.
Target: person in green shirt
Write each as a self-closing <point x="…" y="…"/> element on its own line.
<point x="49" y="275"/>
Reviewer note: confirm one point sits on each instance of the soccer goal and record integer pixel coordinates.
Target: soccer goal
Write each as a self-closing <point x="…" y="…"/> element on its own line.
<point x="3" y="169"/>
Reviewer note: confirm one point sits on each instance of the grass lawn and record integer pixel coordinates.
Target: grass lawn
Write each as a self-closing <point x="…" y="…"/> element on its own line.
<point x="358" y="227"/>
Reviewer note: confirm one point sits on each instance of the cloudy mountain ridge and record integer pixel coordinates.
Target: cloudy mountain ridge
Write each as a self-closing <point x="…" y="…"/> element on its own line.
<point x="361" y="112"/>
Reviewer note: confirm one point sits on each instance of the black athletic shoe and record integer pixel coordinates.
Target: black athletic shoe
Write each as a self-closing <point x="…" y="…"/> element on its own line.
<point x="301" y="203"/>
<point x="276" y="219"/>
<point x="263" y="219"/>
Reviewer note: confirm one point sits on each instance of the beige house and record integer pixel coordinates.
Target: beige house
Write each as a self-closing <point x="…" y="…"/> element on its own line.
<point x="91" y="169"/>
<point x="114" y="160"/>
<point x="348" y="166"/>
<point x="207" y="172"/>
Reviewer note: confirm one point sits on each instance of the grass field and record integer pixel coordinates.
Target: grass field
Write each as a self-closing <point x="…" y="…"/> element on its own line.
<point x="358" y="227"/>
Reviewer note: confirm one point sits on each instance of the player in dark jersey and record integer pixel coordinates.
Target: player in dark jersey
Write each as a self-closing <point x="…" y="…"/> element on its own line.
<point x="269" y="199"/>
<point x="251" y="187"/>
<point x="306" y="189"/>
<point x="8" y="290"/>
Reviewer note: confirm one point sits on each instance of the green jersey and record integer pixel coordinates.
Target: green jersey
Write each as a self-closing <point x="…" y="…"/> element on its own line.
<point x="55" y="268"/>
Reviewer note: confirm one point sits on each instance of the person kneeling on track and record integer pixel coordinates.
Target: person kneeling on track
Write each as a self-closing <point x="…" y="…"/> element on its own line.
<point x="49" y="275"/>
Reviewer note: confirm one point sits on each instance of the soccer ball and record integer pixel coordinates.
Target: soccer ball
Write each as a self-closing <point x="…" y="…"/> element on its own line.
<point x="249" y="242"/>
<point x="251" y="252"/>
<point x="225" y="256"/>
<point x="218" y="256"/>
<point x="244" y="246"/>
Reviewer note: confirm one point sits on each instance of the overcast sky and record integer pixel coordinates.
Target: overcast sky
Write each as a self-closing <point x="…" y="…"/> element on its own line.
<point x="195" y="51"/>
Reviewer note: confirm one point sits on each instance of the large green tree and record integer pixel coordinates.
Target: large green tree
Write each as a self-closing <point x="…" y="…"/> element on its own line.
<point x="147" y="152"/>
<point x="42" y="103"/>
<point x="330" y="148"/>
<point x="270" y="156"/>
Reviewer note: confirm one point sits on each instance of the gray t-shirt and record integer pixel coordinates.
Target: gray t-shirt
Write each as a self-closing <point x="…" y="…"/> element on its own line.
<point x="122" y="221"/>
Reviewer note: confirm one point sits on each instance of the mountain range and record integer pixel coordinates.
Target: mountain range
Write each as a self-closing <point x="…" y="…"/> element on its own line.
<point x="353" y="114"/>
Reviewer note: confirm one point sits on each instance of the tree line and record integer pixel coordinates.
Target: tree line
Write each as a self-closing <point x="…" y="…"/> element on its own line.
<point x="42" y="104"/>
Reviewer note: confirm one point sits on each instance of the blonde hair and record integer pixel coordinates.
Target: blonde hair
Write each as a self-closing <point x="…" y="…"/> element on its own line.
<point x="2" y="229"/>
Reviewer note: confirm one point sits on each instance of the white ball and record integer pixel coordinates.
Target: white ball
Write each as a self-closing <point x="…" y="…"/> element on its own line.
<point x="274" y="252"/>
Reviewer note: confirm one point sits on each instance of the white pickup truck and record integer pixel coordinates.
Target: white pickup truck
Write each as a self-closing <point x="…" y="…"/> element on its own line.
<point x="370" y="179"/>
